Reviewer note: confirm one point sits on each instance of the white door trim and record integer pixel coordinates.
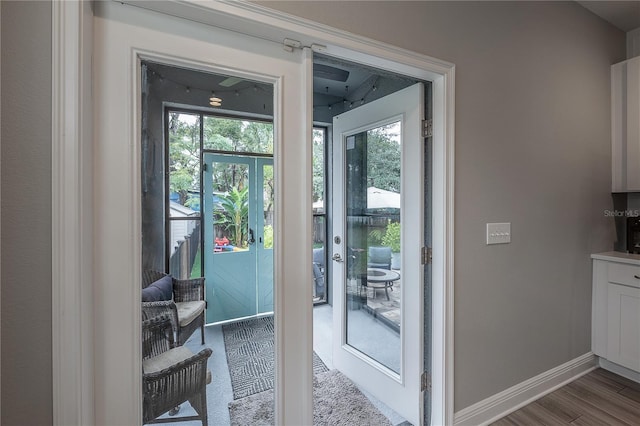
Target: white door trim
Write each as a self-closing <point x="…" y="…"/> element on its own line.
<point x="72" y="214"/>
<point x="72" y="386"/>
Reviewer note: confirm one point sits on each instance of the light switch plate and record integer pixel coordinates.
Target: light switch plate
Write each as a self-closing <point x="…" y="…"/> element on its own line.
<point x="498" y="233"/>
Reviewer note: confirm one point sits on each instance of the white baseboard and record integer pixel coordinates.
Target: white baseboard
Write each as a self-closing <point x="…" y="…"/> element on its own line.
<point x="509" y="400"/>
<point x="619" y="370"/>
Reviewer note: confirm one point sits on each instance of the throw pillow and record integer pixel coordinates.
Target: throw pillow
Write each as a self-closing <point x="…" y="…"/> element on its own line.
<point x="158" y="290"/>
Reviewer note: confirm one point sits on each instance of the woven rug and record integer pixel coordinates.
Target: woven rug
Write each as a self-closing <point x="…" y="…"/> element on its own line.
<point x="250" y="356"/>
<point x="336" y="402"/>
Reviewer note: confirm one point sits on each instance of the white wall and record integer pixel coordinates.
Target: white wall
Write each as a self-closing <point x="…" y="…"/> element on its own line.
<point x="533" y="149"/>
<point x="26" y="213"/>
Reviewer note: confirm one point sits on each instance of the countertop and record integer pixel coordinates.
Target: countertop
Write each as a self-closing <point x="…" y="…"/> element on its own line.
<point x="617" y="256"/>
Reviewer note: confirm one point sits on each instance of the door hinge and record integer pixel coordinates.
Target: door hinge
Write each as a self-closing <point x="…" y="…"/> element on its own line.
<point x="204" y="167"/>
<point x="427" y="128"/>
<point x="425" y="382"/>
<point x="426" y="255"/>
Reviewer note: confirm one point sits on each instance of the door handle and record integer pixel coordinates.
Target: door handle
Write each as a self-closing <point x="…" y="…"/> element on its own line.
<point x="251" y="239"/>
<point x="336" y="257"/>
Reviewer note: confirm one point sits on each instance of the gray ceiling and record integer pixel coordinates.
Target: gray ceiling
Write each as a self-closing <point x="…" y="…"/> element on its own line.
<point x="623" y="14"/>
<point x="338" y="86"/>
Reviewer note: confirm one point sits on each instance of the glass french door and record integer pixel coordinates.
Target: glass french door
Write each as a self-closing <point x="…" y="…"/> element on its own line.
<point x="378" y="227"/>
<point x="238" y="236"/>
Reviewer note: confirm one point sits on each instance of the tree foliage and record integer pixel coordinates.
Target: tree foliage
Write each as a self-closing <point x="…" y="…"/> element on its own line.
<point x="184" y="154"/>
<point x="383" y="158"/>
<point x="318" y="164"/>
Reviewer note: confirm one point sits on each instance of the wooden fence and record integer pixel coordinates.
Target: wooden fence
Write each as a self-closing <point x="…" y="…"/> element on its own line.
<point x="182" y="259"/>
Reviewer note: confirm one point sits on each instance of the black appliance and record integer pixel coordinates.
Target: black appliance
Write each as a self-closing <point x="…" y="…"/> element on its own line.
<point x="633" y="234"/>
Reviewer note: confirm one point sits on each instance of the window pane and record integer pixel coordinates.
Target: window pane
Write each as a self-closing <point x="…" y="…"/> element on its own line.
<point x="184" y="260"/>
<point x="318" y="170"/>
<point x="319" y="259"/>
<point x="184" y="164"/>
<point x="268" y="204"/>
<point x="228" y="134"/>
<point x="319" y="222"/>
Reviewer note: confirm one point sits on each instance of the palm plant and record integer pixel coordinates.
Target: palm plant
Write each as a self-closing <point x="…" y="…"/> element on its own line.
<point x="235" y="214"/>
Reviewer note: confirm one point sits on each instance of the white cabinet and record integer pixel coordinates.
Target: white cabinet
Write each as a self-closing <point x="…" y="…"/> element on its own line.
<point x="625" y="125"/>
<point x="623" y="331"/>
<point x="616" y="308"/>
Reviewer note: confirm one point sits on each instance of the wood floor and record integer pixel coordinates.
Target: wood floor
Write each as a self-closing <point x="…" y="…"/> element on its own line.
<point x="599" y="398"/>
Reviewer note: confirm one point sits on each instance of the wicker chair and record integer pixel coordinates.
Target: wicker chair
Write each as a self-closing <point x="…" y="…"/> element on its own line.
<point x="171" y="375"/>
<point x="186" y="310"/>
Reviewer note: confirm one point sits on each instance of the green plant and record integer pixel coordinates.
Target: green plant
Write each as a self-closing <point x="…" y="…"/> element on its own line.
<point x="375" y="237"/>
<point x="391" y="237"/>
<point x="268" y="236"/>
<point x="235" y="214"/>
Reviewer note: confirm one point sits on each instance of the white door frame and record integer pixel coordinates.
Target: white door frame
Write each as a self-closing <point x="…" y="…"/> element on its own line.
<point x="73" y="322"/>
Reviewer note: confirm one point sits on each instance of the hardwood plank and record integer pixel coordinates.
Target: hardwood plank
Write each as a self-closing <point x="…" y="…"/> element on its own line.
<point x="588" y="408"/>
<point x="616" y="407"/>
<point x="632" y="394"/>
<point x="505" y="421"/>
<point x="587" y="420"/>
<point x="601" y="372"/>
<point x="530" y="415"/>
<point x="560" y="407"/>
<point x="606" y="381"/>
<point x="600" y="398"/>
<point x="534" y="414"/>
<point x="629" y="404"/>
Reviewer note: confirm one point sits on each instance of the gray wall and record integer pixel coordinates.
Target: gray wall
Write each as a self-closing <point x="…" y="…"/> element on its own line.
<point x="533" y="149"/>
<point x="26" y="213"/>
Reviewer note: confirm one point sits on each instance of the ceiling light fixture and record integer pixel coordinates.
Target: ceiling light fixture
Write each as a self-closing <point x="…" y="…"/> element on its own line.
<point x="215" y="101"/>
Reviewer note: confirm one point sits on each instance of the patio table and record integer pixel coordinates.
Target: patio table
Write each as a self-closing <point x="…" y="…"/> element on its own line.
<point x="381" y="278"/>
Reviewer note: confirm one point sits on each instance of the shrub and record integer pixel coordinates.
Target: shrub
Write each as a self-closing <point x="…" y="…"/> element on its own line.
<point x="391" y="237"/>
<point x="268" y="236"/>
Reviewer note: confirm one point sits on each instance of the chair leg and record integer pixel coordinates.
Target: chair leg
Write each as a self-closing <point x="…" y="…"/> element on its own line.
<point x="202" y="331"/>
<point x="199" y="403"/>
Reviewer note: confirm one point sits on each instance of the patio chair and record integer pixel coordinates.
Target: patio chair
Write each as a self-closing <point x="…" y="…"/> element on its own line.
<point x="318" y="281"/>
<point x="181" y="300"/>
<point x="379" y="257"/>
<point x="318" y="272"/>
<point x="171" y="374"/>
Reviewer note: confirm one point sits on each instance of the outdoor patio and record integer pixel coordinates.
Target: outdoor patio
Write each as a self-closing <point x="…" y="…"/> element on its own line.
<point x="387" y="310"/>
<point x="382" y="304"/>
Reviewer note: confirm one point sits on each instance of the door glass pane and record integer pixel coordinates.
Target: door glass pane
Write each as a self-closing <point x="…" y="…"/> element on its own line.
<point x="372" y="204"/>
<point x="184" y="164"/>
<point x="231" y="207"/>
